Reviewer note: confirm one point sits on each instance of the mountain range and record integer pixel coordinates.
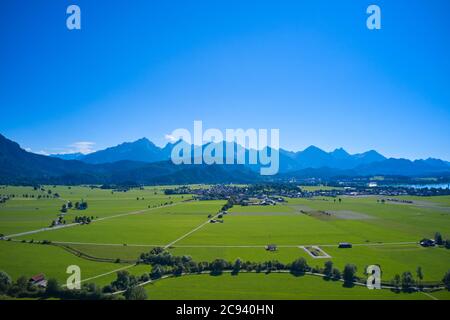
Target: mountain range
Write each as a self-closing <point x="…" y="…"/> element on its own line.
<point x="144" y="150"/>
<point x="142" y="162"/>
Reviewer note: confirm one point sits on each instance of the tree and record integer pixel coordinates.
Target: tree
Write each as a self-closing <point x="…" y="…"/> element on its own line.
<point x="135" y="293"/>
<point x="396" y="282"/>
<point x="336" y="274"/>
<point x="299" y="266"/>
<point x="446" y="280"/>
<point x="407" y="281"/>
<point x="156" y="272"/>
<point x="178" y="270"/>
<point x="328" y="268"/>
<point x="438" y="238"/>
<point x="349" y="274"/>
<point x="5" y="282"/>
<point x="156" y="250"/>
<point x="446" y="244"/>
<point x="22" y="284"/>
<point x="52" y="288"/>
<point x="237" y="266"/>
<point x="123" y="280"/>
<point x="419" y="274"/>
<point x="217" y="266"/>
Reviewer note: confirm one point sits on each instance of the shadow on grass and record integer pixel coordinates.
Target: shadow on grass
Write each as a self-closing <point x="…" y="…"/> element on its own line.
<point x="297" y="273"/>
<point x="330" y="278"/>
<point x="348" y="284"/>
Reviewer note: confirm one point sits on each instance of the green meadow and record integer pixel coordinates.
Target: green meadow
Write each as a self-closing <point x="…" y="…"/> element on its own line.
<point x="267" y="287"/>
<point x="129" y="223"/>
<point x="25" y="259"/>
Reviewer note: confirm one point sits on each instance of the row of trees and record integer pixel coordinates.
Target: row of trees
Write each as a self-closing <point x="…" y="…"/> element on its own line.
<point x="129" y="284"/>
<point x="23" y="288"/>
<point x="164" y="263"/>
<point x="83" y="219"/>
<point x="440" y="240"/>
<point x="82" y="205"/>
<point x="230" y="203"/>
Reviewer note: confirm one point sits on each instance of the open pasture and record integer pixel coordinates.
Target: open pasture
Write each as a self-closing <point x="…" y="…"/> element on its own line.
<point x="25" y="259"/>
<point x="21" y="214"/>
<point x="267" y="286"/>
<point x="135" y="221"/>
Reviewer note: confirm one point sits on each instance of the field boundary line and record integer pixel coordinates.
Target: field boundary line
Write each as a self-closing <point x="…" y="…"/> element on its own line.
<point x="429" y="295"/>
<point x="106" y="244"/>
<point x="216" y="246"/>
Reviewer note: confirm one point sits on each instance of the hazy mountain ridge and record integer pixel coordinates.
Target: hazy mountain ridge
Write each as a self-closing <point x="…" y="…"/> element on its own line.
<point x="312" y="157"/>
<point x="20" y="166"/>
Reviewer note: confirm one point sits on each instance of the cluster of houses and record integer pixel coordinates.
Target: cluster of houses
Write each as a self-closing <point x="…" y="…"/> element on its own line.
<point x="245" y="196"/>
<point x="272" y="194"/>
<point x="262" y="200"/>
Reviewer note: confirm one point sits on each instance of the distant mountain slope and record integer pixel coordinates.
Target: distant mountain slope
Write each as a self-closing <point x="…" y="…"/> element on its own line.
<point x="312" y="157"/>
<point x="403" y="167"/>
<point x="19" y="166"/>
<point x="140" y="150"/>
<point x="68" y="156"/>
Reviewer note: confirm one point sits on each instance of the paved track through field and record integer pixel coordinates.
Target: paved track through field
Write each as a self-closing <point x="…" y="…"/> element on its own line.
<point x="103" y="274"/>
<point x="190" y="232"/>
<point x="429" y="295"/>
<point x="77" y="224"/>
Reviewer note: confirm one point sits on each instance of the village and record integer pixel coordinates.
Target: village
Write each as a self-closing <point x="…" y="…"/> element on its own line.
<point x="271" y="194"/>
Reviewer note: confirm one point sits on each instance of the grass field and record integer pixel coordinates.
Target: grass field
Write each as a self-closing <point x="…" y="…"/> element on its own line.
<point x="132" y="222"/>
<point x="265" y="287"/>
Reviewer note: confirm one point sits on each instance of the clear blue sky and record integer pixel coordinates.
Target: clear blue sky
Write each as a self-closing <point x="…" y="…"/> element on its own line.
<point x="310" y="68"/>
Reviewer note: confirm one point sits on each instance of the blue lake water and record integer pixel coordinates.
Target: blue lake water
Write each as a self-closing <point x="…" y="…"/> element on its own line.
<point x="425" y="186"/>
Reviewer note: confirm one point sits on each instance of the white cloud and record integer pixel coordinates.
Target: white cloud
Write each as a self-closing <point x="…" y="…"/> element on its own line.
<point x="84" y="147"/>
<point x="42" y="152"/>
<point x="170" y="137"/>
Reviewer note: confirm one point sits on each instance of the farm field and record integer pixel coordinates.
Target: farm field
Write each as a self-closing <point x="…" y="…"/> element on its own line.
<point x="25" y="259"/>
<point x="127" y="224"/>
<point x="267" y="286"/>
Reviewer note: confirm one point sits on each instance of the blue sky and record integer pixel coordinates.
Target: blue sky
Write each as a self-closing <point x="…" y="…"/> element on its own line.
<point x="310" y="68"/>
